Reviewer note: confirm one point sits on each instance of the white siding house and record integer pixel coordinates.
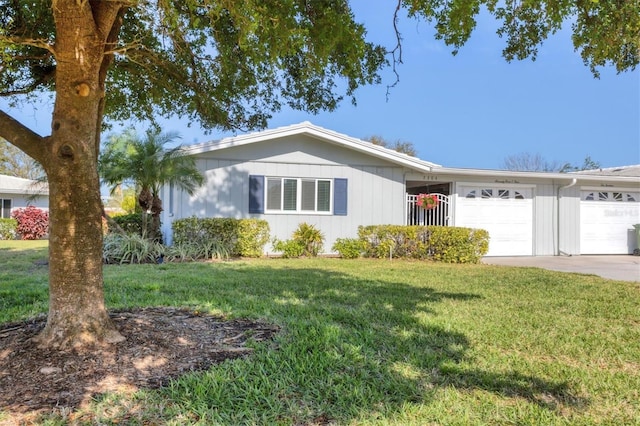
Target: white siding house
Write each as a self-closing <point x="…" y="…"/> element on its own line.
<point x="304" y="173"/>
<point x="18" y="193"/>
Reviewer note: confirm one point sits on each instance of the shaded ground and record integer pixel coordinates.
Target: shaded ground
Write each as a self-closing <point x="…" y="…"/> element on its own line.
<point x="162" y="344"/>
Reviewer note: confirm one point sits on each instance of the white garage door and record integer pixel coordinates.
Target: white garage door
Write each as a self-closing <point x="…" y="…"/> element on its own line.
<point x="507" y="213"/>
<point x="606" y="221"/>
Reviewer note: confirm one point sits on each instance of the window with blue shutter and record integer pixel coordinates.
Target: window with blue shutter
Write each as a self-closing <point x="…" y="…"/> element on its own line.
<point x="301" y="195"/>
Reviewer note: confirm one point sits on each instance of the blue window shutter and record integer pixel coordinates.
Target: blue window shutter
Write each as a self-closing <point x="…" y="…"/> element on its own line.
<point x="340" y="197"/>
<point x="256" y="194"/>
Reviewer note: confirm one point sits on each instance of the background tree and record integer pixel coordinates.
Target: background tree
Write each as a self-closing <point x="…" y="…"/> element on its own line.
<point x="146" y="165"/>
<point x="14" y="162"/>
<point x="527" y="162"/>
<point x="587" y="164"/>
<point x="228" y="65"/>
<point x="400" y="146"/>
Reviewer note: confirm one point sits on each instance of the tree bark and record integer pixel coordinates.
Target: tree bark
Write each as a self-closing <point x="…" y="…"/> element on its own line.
<point x="77" y="313"/>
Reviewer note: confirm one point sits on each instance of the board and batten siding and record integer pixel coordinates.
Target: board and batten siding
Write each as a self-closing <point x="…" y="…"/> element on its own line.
<point x="375" y="192"/>
<point x="545" y="223"/>
<point x="569" y="221"/>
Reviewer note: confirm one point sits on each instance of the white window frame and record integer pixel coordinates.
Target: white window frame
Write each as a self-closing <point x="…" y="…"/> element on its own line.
<point x="298" y="210"/>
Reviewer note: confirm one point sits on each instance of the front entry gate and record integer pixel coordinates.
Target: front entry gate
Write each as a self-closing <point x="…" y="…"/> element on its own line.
<point x="438" y="216"/>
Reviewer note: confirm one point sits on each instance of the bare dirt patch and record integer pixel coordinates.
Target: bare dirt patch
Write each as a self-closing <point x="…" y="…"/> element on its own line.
<point x="162" y="344"/>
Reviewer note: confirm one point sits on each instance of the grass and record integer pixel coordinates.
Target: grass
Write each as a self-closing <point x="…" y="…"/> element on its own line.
<point x="378" y="342"/>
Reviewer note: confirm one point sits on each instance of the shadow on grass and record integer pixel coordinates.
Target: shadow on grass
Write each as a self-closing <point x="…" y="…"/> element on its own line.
<point x="349" y="346"/>
<point x="352" y="345"/>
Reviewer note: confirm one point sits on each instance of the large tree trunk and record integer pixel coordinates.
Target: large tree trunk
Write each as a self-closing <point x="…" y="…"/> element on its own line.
<point x="77" y="314"/>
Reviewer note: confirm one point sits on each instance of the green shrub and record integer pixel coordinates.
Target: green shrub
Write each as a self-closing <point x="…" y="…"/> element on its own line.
<point x="310" y="237"/>
<point x="130" y="223"/>
<point x="196" y="250"/>
<point x="349" y="248"/>
<point x="441" y="243"/>
<point x="131" y="248"/>
<point x="8" y="229"/>
<point x="458" y="245"/>
<point x="289" y="248"/>
<point x="395" y="241"/>
<point x="253" y="235"/>
<point x="307" y="241"/>
<point x="239" y="237"/>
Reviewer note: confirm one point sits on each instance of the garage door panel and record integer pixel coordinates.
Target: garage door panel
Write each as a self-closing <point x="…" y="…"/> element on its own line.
<point x="508" y="220"/>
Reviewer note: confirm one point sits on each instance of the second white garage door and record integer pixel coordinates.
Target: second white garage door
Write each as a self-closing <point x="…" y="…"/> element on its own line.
<point x="606" y="221"/>
<point x="506" y="213"/>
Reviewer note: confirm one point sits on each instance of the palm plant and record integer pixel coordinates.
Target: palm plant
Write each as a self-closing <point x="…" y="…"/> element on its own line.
<point x="147" y="165"/>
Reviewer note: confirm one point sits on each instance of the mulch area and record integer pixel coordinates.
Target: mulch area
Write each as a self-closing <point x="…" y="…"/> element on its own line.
<point x="161" y="344"/>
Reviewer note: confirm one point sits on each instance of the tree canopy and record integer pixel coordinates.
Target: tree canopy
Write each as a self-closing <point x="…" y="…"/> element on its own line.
<point x="226" y="64"/>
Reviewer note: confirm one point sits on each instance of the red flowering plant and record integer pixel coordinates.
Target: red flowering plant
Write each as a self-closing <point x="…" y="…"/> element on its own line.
<point x="33" y="223"/>
<point x="427" y="201"/>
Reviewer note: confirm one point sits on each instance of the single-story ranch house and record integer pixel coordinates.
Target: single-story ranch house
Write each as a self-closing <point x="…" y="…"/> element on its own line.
<point x="18" y="193"/>
<point x="305" y="173"/>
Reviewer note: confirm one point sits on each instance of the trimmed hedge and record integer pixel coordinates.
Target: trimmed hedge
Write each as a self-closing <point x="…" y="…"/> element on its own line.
<point x="8" y="229"/>
<point x="442" y="243"/>
<point x="241" y="237"/>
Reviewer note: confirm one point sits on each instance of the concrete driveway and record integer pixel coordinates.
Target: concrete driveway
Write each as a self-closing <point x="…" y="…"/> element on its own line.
<point x="615" y="267"/>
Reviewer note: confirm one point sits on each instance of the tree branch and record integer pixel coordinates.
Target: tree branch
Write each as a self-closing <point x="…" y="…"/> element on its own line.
<point x="396" y="52"/>
<point x="29" y="88"/>
<point x="39" y="43"/>
<point x="21" y="136"/>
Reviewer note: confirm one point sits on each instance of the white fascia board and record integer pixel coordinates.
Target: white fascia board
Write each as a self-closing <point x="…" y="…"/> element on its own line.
<point x="21" y="186"/>
<point x="317" y="132"/>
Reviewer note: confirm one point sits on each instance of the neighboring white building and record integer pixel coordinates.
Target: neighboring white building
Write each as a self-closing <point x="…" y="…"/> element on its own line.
<point x="18" y="193"/>
<point x="305" y="173"/>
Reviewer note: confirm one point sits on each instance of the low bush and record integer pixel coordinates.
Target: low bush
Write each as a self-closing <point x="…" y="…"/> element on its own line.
<point x="32" y="223"/>
<point x="441" y="243"/>
<point x="288" y="248"/>
<point x="196" y="250"/>
<point x="131" y="248"/>
<point x="8" y="229"/>
<point x="307" y="241"/>
<point x="238" y="237"/>
<point x="349" y="248"/>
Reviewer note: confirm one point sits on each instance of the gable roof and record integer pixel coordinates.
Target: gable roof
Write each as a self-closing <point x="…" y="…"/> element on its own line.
<point x="16" y="185"/>
<point x="307" y="129"/>
<point x="329" y="136"/>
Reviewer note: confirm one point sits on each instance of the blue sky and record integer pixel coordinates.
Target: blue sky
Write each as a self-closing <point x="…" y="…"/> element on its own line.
<point x="474" y="109"/>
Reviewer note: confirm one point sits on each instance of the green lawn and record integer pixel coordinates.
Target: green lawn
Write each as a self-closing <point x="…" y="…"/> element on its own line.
<point x="379" y="342"/>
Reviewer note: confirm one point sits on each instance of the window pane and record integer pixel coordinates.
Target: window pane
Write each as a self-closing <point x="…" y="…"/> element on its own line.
<point x="308" y="196"/>
<point x="290" y="194"/>
<point x="274" y="194"/>
<point x="324" y="195"/>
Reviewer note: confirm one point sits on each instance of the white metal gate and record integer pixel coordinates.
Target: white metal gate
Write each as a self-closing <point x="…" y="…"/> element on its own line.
<point x="438" y="216"/>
